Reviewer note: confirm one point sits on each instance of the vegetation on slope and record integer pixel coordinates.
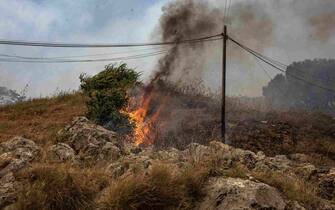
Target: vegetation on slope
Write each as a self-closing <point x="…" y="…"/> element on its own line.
<point x="40" y="119"/>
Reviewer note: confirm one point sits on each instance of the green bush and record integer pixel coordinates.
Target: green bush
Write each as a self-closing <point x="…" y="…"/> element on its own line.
<point x="107" y="92"/>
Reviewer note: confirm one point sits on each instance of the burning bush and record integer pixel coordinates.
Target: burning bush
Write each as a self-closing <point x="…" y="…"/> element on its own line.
<point x="107" y="92"/>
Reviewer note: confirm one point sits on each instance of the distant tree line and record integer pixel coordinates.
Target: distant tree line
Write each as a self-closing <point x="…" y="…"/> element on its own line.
<point x="287" y="91"/>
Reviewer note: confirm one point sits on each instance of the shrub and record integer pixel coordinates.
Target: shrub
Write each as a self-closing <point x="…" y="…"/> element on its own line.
<point x="107" y="92"/>
<point x="54" y="188"/>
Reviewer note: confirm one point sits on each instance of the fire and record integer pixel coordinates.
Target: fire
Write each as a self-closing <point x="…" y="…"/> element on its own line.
<point x="139" y="117"/>
<point x="145" y="122"/>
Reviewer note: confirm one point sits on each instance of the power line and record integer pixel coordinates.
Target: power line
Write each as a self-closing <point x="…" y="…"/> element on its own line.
<point x="228" y="13"/>
<point x="268" y="75"/>
<point x="86" y="60"/>
<point x="259" y="56"/>
<point x="21" y="59"/>
<point x="104" y="45"/>
<point x="283" y="65"/>
<point x="225" y="10"/>
<point x="74" y="56"/>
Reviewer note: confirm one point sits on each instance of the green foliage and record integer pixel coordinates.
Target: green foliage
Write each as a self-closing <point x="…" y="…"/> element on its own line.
<point x="286" y="91"/>
<point x="107" y="92"/>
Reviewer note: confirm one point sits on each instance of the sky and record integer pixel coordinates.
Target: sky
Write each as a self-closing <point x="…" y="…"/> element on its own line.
<point x="86" y="21"/>
<point x="117" y="21"/>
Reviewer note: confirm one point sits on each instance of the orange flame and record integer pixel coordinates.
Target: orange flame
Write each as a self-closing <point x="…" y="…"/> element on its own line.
<point x="144" y="123"/>
<point x="139" y="117"/>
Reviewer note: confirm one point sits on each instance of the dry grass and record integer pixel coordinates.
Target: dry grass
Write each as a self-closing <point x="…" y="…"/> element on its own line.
<point x="160" y="189"/>
<point x="58" y="187"/>
<point x="40" y="119"/>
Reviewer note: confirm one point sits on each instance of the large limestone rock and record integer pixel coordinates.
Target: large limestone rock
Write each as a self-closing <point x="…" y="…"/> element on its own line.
<point x="8" y="189"/>
<point x="91" y="141"/>
<point x="16" y="154"/>
<point x="239" y="194"/>
<point x="61" y="152"/>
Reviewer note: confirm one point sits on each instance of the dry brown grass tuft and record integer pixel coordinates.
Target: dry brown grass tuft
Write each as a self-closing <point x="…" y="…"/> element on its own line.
<point x="160" y="189"/>
<point x="40" y="119"/>
<point x="57" y="187"/>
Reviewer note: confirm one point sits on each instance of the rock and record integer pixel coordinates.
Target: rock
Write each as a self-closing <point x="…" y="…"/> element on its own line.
<point x="299" y="157"/>
<point x="129" y="164"/>
<point x="16" y="154"/>
<point x="234" y="193"/>
<point x="277" y="163"/>
<point x="196" y="152"/>
<point x="327" y="185"/>
<point x="91" y="141"/>
<point x="110" y="152"/>
<point x="81" y="132"/>
<point x="61" y="152"/>
<point x="8" y="190"/>
<point x="307" y="171"/>
<point x="247" y="158"/>
<point x="220" y="147"/>
<point x="294" y="205"/>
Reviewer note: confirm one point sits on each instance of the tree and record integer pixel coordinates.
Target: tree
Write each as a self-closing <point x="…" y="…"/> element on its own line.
<point x="287" y="91"/>
<point x="107" y="92"/>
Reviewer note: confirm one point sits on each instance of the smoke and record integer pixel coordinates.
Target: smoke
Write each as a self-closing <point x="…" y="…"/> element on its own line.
<point x="282" y="29"/>
<point x="323" y="26"/>
<point x="190" y="19"/>
<point x="288" y="30"/>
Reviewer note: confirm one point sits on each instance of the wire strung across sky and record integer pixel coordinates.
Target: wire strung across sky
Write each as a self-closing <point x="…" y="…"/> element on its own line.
<point x="144" y="55"/>
<point x="276" y="64"/>
<point x="164" y="48"/>
<point x="285" y="66"/>
<point x="82" y="55"/>
<point x="103" y="45"/>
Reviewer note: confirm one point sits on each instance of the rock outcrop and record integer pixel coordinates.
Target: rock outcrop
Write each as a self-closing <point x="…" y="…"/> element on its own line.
<point x="235" y="193"/>
<point x="15" y="154"/>
<point x="84" y="141"/>
<point x="89" y="142"/>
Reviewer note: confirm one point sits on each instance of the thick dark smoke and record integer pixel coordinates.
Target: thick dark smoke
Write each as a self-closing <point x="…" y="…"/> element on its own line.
<point x="183" y="20"/>
<point x="190" y="19"/>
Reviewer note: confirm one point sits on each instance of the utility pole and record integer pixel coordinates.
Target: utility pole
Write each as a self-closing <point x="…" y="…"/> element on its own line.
<point x="223" y="110"/>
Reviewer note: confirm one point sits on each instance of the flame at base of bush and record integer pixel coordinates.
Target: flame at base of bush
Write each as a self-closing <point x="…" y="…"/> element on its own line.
<point x="145" y="119"/>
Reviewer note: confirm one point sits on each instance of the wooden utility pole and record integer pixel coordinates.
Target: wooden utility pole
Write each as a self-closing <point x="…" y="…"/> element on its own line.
<point x="223" y="111"/>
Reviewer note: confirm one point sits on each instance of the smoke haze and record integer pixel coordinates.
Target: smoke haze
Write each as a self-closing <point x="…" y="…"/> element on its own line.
<point x="287" y="30"/>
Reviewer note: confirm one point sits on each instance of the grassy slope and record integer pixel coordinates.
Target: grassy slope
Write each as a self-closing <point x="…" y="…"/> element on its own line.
<point x="40" y="119"/>
<point x="294" y="131"/>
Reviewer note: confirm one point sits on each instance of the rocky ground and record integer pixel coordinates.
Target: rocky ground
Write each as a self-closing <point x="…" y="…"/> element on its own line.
<point x="90" y="167"/>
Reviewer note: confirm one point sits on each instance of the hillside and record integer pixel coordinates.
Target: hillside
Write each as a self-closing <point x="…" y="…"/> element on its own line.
<point x="40" y="119"/>
<point x="67" y="162"/>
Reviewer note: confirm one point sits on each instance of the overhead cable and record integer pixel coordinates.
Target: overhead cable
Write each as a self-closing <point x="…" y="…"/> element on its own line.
<point x="258" y="55"/>
<point x="103" y="45"/>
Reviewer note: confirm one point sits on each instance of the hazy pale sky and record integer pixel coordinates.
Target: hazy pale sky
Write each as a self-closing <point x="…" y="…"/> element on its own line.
<point x="114" y="21"/>
<point x="87" y="21"/>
